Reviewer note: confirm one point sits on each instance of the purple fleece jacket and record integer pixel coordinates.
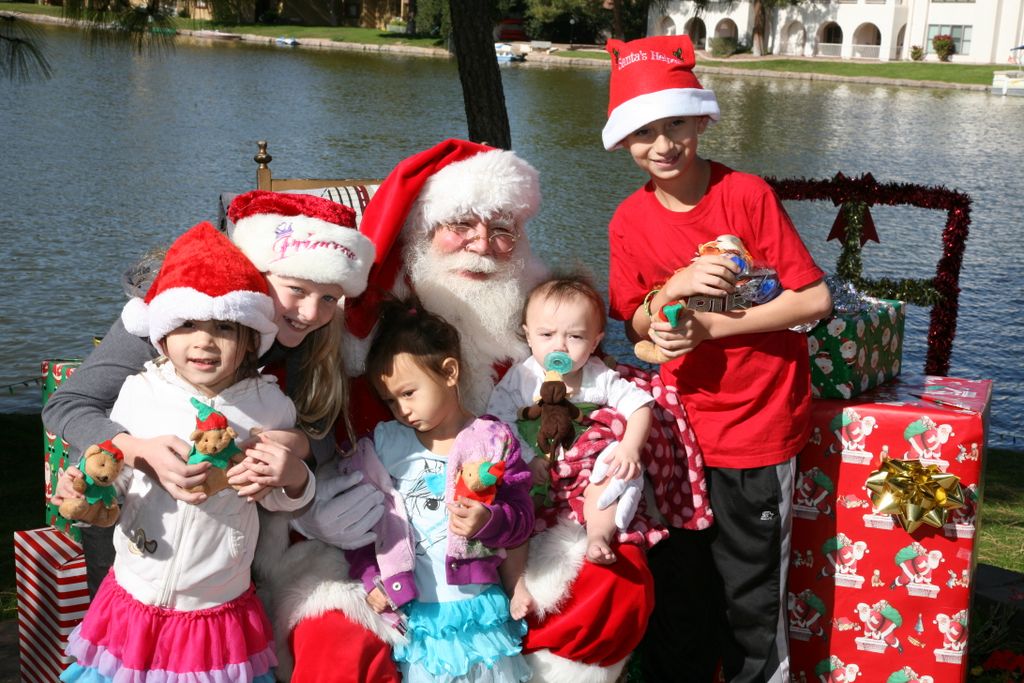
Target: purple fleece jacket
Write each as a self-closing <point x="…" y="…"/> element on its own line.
<point x="393" y="556"/>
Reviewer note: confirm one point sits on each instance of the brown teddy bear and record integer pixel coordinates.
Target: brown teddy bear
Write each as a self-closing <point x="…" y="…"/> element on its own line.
<point x="214" y="442"/>
<point x="556" y="414"/>
<point x="100" y="466"/>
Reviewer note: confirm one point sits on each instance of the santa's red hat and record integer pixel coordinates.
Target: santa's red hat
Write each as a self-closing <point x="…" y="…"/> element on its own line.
<point x="652" y="78"/>
<point x="451" y="180"/>
<point x="302" y="236"/>
<point x="203" y="277"/>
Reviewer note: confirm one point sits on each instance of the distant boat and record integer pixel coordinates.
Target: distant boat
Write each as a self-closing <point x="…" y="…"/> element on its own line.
<point x="506" y="54"/>
<point x="1010" y="82"/>
<point x="218" y="35"/>
<point x="287" y="42"/>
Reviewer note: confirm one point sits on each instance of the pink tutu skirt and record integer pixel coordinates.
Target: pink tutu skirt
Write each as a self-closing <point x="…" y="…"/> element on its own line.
<point x="122" y="640"/>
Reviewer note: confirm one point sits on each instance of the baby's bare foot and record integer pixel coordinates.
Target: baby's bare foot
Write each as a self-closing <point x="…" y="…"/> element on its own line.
<point x="599" y="552"/>
<point x="522" y="602"/>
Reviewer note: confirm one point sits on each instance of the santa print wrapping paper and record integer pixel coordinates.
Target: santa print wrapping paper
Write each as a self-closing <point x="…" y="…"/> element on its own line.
<point x="49" y="570"/>
<point x="868" y="600"/>
<point x="55" y="449"/>
<point x="854" y="352"/>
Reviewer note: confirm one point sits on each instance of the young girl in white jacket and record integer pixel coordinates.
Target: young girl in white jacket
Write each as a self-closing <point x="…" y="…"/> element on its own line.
<point x="179" y="604"/>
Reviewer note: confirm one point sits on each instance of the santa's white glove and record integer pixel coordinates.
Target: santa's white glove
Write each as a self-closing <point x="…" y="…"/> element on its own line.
<point x="626" y="491"/>
<point x="343" y="512"/>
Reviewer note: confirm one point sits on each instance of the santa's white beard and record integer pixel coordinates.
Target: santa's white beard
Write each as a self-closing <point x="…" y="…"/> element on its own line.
<point x="486" y="312"/>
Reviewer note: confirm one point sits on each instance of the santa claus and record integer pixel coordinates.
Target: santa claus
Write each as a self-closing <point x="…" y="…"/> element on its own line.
<point x="880" y="622"/>
<point x="448" y="224"/>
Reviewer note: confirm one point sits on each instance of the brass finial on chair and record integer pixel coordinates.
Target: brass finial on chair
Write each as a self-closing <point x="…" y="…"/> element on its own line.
<point x="263" y="179"/>
<point x="262" y="158"/>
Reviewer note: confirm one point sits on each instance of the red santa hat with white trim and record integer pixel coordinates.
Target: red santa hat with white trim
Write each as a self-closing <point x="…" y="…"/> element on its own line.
<point x="203" y="277"/>
<point x="302" y="236"/>
<point x="652" y="78"/>
<point x="451" y="180"/>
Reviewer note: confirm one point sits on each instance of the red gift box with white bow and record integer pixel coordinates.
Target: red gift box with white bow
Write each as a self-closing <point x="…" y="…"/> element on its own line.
<point x="867" y="598"/>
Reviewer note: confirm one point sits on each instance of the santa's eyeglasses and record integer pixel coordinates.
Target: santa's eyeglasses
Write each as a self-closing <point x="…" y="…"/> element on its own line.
<point x="501" y="232"/>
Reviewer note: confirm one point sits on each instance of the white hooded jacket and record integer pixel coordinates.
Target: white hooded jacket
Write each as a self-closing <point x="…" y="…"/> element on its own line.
<point x="174" y="554"/>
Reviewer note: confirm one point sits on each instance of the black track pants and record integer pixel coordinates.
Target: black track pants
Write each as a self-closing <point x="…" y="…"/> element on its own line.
<point x="720" y="594"/>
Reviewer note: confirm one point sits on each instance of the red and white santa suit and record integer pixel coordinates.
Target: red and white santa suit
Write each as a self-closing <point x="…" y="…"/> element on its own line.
<point x="590" y="616"/>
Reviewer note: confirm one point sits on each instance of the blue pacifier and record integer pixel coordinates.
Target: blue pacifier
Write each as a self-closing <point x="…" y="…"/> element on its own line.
<point x="558" y="361"/>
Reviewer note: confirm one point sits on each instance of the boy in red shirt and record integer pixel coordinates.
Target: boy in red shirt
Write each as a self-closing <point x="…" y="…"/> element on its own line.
<point x="720" y="594"/>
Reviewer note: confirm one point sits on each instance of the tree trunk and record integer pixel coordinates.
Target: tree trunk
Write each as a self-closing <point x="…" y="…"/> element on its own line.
<point x="759" y="28"/>
<point x="482" y="91"/>
<point x="617" y="31"/>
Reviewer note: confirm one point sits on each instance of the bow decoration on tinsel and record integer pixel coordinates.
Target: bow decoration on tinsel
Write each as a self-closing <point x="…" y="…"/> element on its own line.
<point x="854" y="227"/>
<point x="914" y="493"/>
<point x="868" y="229"/>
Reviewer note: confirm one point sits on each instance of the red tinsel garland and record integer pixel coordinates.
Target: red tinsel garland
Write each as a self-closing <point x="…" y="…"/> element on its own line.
<point x="957" y="205"/>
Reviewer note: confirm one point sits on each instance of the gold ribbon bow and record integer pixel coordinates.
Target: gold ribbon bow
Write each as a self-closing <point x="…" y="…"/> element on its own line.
<point x="916" y="494"/>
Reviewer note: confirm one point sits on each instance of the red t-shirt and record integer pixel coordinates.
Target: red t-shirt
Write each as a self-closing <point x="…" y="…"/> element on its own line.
<point x="747" y="395"/>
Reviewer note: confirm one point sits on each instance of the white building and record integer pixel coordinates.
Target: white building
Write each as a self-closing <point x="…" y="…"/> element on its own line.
<point x="984" y="30"/>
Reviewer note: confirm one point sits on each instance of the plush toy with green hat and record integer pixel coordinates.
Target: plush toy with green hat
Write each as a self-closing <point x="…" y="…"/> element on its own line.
<point x="213" y="442"/>
<point x="101" y="464"/>
<point x="479" y="480"/>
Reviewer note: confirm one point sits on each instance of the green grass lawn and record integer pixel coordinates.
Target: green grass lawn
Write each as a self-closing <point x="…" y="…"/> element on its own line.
<point x="347" y="34"/>
<point x="968" y="74"/>
<point x="980" y="74"/>
<point x="344" y="34"/>
<point x="30" y="8"/>
<point x="1001" y="534"/>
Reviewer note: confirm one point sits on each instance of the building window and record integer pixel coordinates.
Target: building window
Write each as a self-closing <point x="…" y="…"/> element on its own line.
<point x="961" y="37"/>
<point x="963" y="1"/>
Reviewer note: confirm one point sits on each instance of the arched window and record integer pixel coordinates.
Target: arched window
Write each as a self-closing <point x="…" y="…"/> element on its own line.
<point x="698" y="32"/>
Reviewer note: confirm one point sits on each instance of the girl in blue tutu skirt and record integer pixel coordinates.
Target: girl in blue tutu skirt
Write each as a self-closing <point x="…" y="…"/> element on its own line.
<point x="458" y="495"/>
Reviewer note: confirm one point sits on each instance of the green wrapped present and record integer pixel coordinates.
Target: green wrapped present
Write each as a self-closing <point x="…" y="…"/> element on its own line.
<point x="56" y="449"/>
<point x="857" y="348"/>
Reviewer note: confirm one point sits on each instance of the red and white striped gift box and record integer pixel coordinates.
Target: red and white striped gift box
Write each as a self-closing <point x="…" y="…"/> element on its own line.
<point x="53" y="596"/>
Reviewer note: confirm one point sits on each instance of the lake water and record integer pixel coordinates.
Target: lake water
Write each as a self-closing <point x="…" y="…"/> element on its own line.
<point x="120" y="151"/>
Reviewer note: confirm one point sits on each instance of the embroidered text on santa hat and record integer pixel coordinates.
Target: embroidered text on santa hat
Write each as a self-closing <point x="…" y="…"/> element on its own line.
<point x="302" y="236"/>
<point x="652" y="78"/>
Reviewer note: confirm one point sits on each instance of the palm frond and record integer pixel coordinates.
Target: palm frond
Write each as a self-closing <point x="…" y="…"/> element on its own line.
<point x="118" y="23"/>
<point x="21" y="55"/>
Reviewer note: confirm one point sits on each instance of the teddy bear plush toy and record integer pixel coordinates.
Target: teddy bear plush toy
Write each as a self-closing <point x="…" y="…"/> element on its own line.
<point x="557" y="414"/>
<point x="479" y="480"/>
<point x="213" y="442"/>
<point x="101" y="464"/>
<point x="754" y="285"/>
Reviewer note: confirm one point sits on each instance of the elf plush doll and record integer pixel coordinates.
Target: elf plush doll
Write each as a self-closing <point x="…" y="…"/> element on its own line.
<point x="479" y="480"/>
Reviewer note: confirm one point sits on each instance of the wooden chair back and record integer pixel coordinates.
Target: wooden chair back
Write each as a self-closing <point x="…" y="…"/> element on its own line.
<point x="266" y="181"/>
